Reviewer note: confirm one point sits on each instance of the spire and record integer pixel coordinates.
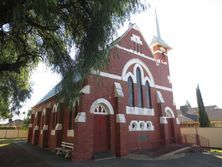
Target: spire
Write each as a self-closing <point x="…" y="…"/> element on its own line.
<point x="157" y="39"/>
<point x="157" y="27"/>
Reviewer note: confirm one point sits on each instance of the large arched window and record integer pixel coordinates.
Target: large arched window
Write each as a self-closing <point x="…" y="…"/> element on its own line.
<point x="139" y="87"/>
<point x="130" y="92"/>
<point x="148" y="95"/>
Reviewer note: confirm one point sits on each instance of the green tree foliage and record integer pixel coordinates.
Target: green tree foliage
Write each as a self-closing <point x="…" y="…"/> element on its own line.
<point x="203" y="117"/>
<point x="45" y="30"/>
<point x="14" y="89"/>
<point x="26" y="120"/>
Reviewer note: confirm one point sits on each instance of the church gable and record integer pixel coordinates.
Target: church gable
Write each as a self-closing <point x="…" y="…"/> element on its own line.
<point x="133" y="40"/>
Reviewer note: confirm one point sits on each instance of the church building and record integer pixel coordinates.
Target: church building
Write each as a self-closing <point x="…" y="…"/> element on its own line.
<point x="127" y="106"/>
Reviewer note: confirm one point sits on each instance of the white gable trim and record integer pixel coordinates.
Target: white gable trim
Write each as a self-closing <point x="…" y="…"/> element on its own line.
<point x="136" y="53"/>
<point x="105" y="74"/>
<point x="163" y="88"/>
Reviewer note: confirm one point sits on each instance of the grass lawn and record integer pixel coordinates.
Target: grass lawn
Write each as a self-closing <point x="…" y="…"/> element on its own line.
<point x="216" y="151"/>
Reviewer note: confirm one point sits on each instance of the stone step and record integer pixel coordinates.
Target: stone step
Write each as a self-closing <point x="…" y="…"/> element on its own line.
<point x="103" y="156"/>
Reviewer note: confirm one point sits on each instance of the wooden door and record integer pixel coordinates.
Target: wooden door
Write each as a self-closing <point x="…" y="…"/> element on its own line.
<point x="100" y="133"/>
<point x="171" y="129"/>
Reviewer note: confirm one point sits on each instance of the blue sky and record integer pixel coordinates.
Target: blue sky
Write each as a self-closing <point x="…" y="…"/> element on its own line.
<point x="193" y="28"/>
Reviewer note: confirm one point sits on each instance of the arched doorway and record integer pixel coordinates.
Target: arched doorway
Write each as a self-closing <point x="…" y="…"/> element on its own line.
<point x="170" y="119"/>
<point x="102" y="109"/>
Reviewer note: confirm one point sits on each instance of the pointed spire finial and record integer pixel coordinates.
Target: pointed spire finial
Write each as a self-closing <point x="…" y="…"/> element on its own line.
<point x="157" y="27"/>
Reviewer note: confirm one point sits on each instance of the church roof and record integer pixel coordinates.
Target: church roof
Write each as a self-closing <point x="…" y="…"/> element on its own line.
<point x="54" y="91"/>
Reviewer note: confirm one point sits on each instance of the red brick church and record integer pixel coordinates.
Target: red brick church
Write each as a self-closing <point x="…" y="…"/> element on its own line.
<point x="125" y="107"/>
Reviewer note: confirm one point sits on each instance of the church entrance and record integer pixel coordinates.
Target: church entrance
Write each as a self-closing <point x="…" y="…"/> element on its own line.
<point x="101" y="131"/>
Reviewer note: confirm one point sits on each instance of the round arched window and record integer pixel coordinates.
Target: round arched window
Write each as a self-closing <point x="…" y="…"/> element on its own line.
<point x="148" y="126"/>
<point x="142" y="125"/>
<point x="134" y="125"/>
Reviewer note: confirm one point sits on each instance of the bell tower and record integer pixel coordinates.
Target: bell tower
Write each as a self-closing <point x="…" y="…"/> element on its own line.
<point x="158" y="46"/>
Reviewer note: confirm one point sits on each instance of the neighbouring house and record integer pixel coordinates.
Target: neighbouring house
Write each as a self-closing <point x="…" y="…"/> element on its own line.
<point x="125" y="107"/>
<point x="189" y="116"/>
<point x="13" y="124"/>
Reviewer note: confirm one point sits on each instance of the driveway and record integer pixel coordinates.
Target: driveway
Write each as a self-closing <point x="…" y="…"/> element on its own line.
<point x="21" y="154"/>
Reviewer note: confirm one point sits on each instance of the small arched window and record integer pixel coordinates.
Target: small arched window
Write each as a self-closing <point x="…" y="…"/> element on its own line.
<point x="148" y="95"/>
<point x="130" y="92"/>
<point x="139" y="87"/>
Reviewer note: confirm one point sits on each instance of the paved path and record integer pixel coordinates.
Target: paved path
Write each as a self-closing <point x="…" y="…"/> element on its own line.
<point x="49" y="159"/>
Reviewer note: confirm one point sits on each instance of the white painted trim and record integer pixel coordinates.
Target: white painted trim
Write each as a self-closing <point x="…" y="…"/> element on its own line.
<point x="80" y="117"/>
<point x="163" y="120"/>
<point x="118" y="91"/>
<point x="45" y="127"/>
<point x="117" y="77"/>
<point x="169" y="79"/>
<point x="36" y="128"/>
<point x="139" y="64"/>
<point x="136" y="39"/>
<point x="70" y="133"/>
<point x="130" y="74"/>
<point x="120" y="118"/>
<point x="177" y="121"/>
<point x="134" y="52"/>
<point x="85" y="89"/>
<point x="55" y="107"/>
<point x="105" y="103"/>
<point x="159" y="97"/>
<point x="30" y="125"/>
<point x="107" y="75"/>
<point x="36" y="114"/>
<point x="139" y="111"/>
<point x="53" y="132"/>
<point x="58" y="126"/>
<point x="44" y="112"/>
<point x="169" y="112"/>
<point x="163" y="88"/>
<point x="138" y="128"/>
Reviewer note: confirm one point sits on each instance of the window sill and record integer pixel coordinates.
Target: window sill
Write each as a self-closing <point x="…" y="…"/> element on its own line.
<point x="139" y="111"/>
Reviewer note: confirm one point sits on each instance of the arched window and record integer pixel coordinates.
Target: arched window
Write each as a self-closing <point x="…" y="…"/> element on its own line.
<point x="139" y="87"/>
<point x="148" y="95"/>
<point x="130" y="92"/>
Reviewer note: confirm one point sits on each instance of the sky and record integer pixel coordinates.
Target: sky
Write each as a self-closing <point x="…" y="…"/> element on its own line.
<point x="193" y="28"/>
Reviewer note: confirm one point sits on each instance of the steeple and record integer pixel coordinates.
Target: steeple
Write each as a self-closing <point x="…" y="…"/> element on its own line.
<point x="158" y="45"/>
<point x="157" y="27"/>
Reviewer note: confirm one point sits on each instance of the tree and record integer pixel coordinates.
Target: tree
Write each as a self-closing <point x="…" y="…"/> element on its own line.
<point x="26" y="120"/>
<point x="46" y="30"/>
<point x="203" y="117"/>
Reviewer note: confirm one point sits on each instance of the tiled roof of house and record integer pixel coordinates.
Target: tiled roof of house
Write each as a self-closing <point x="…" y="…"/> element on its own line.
<point x="187" y="114"/>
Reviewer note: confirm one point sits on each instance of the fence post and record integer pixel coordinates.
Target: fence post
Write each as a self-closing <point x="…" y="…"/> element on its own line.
<point x="5" y="133"/>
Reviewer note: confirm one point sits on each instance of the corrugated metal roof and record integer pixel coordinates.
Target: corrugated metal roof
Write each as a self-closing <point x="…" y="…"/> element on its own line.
<point x="54" y="91"/>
